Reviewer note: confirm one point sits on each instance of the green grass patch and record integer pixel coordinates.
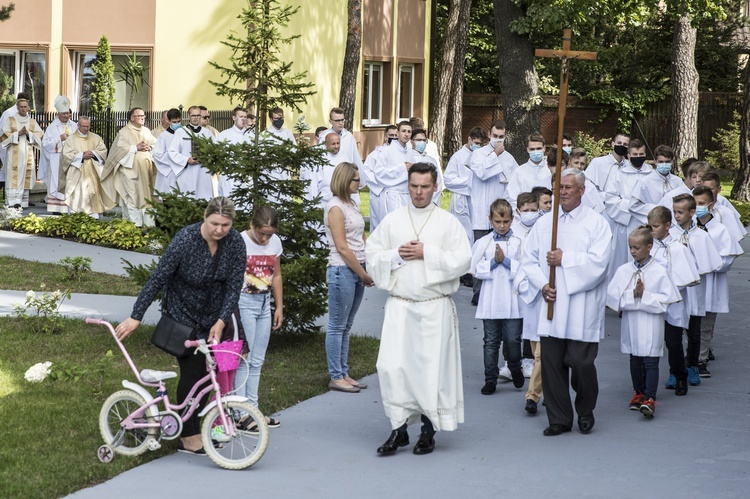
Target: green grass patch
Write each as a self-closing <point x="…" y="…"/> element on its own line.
<point x="740" y="206"/>
<point x="50" y="429"/>
<point x="23" y="275"/>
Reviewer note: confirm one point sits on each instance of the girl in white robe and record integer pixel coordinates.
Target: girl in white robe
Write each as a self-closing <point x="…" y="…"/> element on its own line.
<point x="643" y="291"/>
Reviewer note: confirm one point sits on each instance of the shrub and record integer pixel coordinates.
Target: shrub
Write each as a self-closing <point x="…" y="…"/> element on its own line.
<point x="593" y="147"/>
<point x="76" y="267"/>
<point x="30" y="224"/>
<point x="124" y="234"/>
<point x="727" y="155"/>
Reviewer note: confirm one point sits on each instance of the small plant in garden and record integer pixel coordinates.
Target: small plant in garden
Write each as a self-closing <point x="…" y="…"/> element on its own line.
<point x="68" y="371"/>
<point x="726" y="156"/>
<point x="30" y="224"/>
<point x="42" y="312"/>
<point x="8" y="213"/>
<point x="38" y="372"/>
<point x="76" y="267"/>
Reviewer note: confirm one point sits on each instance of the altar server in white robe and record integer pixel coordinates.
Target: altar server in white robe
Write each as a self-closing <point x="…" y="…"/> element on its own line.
<point x="570" y="341"/>
<point x="642" y="290"/>
<point x="391" y="170"/>
<point x="165" y="168"/>
<point x="728" y="216"/>
<point x="377" y="201"/>
<point x="532" y="173"/>
<point x="676" y="258"/>
<point x="82" y="163"/>
<point x="421" y="155"/>
<point x="650" y="189"/>
<point x="707" y="260"/>
<point x="320" y="180"/>
<point x="348" y="149"/>
<point x="237" y="134"/>
<point x="458" y="178"/>
<point x="691" y="170"/>
<point x="617" y="201"/>
<point x="717" y="282"/>
<point x="602" y="169"/>
<point x="191" y="175"/>
<point x="49" y="164"/>
<point x="417" y="254"/>
<point x="20" y="136"/>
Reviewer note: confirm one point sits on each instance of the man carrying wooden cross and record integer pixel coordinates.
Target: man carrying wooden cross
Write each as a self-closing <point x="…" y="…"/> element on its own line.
<point x="566" y="257"/>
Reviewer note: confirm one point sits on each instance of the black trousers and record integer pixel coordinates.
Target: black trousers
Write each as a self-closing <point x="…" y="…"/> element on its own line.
<point x="675" y="352"/>
<point x="568" y="362"/>
<point x="192" y="369"/>
<point x="693" y="341"/>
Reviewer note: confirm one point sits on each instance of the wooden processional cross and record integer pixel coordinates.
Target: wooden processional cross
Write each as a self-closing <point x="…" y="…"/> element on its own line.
<point x="565" y="55"/>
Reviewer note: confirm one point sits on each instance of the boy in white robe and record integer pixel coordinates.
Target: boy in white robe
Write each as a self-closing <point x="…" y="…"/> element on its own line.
<point x="717" y="282"/>
<point x="377" y="202"/>
<point x="527" y="213"/>
<point x="418" y="253"/>
<point x="495" y="261"/>
<point x="165" y="168"/>
<point x="642" y="290"/>
<point x="652" y="188"/>
<point x="532" y="173"/>
<point x="707" y="260"/>
<point x="458" y="179"/>
<point x="693" y="172"/>
<point x="727" y="215"/>
<point x="680" y="265"/>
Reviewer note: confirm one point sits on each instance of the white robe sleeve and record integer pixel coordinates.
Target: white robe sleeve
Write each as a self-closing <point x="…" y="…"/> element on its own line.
<point x="447" y="264"/>
<point x="616" y="207"/>
<point x="585" y="270"/>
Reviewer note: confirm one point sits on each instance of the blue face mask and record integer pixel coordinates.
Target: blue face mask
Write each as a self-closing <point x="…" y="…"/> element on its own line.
<point x="664" y="168"/>
<point x="536" y="156"/>
<point x="701" y="211"/>
<point x="420" y="146"/>
<point x="175" y="126"/>
<point x="474" y="147"/>
<point x="568" y="150"/>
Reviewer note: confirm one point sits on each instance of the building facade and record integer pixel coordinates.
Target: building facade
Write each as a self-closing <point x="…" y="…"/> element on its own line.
<point x="47" y="46"/>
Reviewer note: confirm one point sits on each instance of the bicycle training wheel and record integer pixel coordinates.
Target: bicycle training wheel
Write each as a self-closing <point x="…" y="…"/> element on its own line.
<point x="246" y="447"/>
<point x="117" y="407"/>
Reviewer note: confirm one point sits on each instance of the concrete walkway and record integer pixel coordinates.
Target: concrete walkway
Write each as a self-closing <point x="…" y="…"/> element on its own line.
<point x="696" y="446"/>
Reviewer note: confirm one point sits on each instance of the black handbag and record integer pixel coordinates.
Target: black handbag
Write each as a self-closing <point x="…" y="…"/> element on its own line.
<point x="171" y="335"/>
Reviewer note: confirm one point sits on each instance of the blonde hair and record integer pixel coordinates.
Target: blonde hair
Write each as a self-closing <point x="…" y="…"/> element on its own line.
<point x="343" y="175"/>
<point x="501" y="207"/>
<point x="643" y="233"/>
<point x="220" y="205"/>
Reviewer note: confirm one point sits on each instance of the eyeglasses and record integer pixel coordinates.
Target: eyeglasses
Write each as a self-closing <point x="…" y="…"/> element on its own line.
<point x="206" y="117"/>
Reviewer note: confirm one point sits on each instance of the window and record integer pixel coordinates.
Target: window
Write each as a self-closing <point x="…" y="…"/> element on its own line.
<point x="84" y="77"/>
<point x="372" y="111"/>
<point x="29" y="73"/>
<point x="405" y="97"/>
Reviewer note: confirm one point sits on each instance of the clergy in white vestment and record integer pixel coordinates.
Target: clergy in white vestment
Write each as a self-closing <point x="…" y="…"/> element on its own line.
<point x="458" y="178"/>
<point x="391" y="170"/>
<point x="320" y="179"/>
<point x="20" y="136"/>
<point x="377" y="201"/>
<point x="49" y="164"/>
<point x="652" y="188"/>
<point x="162" y="126"/>
<point x="617" y="198"/>
<point x="166" y="179"/>
<point x="532" y="173"/>
<point x="570" y="340"/>
<point x="129" y="171"/>
<point x="417" y="254"/>
<point x="11" y="111"/>
<point x="349" y="149"/>
<point x="190" y="174"/>
<point x="82" y="162"/>
<point x="237" y="134"/>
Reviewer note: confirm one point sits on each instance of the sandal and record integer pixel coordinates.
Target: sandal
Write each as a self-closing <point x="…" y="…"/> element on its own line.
<point x="248" y="425"/>
<point x="273" y="423"/>
<point x="197" y="452"/>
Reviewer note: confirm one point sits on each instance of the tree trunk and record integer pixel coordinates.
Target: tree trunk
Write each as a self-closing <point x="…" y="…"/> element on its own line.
<point x="442" y="89"/>
<point x="741" y="189"/>
<point x="684" y="91"/>
<point x="454" y="138"/>
<point x="348" y="95"/>
<point x="519" y="84"/>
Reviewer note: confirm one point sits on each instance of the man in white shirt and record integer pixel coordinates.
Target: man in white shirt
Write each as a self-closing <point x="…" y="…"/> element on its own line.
<point x="532" y="173"/>
<point x="431" y="149"/>
<point x="377" y="203"/>
<point x="276" y="129"/>
<point x="349" y="150"/>
<point x="392" y="167"/>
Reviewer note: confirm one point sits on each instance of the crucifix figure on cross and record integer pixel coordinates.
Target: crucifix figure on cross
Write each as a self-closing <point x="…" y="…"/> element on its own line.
<point x="565" y="55"/>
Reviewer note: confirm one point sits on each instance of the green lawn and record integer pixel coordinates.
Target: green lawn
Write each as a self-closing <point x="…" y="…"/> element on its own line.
<point x="742" y="207"/>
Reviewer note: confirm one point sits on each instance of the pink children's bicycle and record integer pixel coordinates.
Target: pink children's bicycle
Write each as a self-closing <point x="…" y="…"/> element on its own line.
<point x="131" y="423"/>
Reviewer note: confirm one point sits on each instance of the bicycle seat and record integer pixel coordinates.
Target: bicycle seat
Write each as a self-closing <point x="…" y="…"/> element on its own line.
<point x="151" y="376"/>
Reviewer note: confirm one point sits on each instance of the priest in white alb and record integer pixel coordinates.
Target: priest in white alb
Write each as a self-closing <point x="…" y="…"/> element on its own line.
<point x="570" y="341"/>
<point x="52" y="144"/>
<point x="20" y="136"/>
<point x="239" y="133"/>
<point x="165" y="176"/>
<point x="417" y="253"/>
<point x="191" y="175"/>
<point x="82" y="162"/>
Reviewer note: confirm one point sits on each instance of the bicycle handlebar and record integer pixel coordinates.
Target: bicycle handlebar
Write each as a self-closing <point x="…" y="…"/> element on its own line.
<point x="98" y="322"/>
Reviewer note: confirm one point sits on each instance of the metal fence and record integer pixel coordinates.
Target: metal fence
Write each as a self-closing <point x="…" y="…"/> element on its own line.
<point x="715" y="111"/>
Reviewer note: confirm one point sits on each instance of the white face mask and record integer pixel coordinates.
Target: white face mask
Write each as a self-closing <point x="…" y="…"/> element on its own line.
<point x="529" y="218"/>
<point x="495" y="142"/>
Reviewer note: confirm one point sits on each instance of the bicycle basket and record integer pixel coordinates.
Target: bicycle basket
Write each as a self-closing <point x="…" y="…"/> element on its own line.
<point x="227" y="355"/>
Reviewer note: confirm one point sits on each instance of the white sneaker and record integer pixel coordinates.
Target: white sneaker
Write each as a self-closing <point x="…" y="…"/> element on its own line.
<point x="527" y="365"/>
<point x="504" y="375"/>
<point x="218" y="434"/>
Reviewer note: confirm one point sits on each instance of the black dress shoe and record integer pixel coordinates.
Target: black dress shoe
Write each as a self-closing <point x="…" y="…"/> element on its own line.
<point x="475" y="299"/>
<point x="517" y="376"/>
<point x="530" y="406"/>
<point x="489" y="388"/>
<point x="681" y="388"/>
<point x="425" y="444"/>
<point x="586" y="423"/>
<point x="396" y="440"/>
<point x="555" y="429"/>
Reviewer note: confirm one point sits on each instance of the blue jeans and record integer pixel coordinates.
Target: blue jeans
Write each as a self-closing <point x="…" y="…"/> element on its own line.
<point x="345" y="290"/>
<point x="255" y="313"/>
<point x="644" y="372"/>
<point x="509" y="332"/>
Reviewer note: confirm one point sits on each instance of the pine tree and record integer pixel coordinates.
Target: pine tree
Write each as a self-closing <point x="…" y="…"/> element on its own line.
<point x="103" y="86"/>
